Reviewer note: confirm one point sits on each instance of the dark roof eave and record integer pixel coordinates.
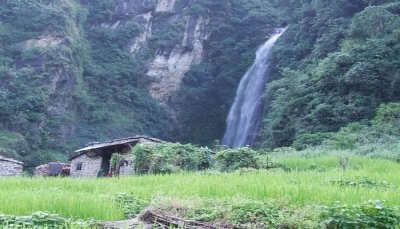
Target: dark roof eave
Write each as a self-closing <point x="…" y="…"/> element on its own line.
<point x="11" y="160"/>
<point x="116" y="142"/>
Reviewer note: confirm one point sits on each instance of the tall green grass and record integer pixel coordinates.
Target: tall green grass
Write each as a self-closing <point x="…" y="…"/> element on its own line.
<point x="307" y="182"/>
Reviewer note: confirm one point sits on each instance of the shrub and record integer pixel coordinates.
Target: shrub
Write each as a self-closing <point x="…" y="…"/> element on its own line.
<point x="374" y="21"/>
<point x="170" y="157"/>
<point x="267" y="161"/>
<point x="346" y="138"/>
<point x="303" y="141"/>
<point x="373" y="214"/>
<point x="232" y="159"/>
<point x="13" y="144"/>
<point x="131" y="206"/>
<point x="387" y="118"/>
<point x="115" y="160"/>
<point x="253" y="214"/>
<point x="42" y="220"/>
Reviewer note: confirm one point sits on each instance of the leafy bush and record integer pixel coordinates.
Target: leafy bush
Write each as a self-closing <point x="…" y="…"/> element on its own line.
<point x="253" y="214"/>
<point x="115" y="160"/>
<point x="13" y="145"/>
<point x="373" y="214"/>
<point x="303" y="141"/>
<point x="374" y="21"/>
<point x="170" y="157"/>
<point x="346" y="138"/>
<point x="261" y="214"/>
<point x="387" y="118"/>
<point x="42" y="220"/>
<point x="131" y="206"/>
<point x="232" y="159"/>
<point x="364" y="138"/>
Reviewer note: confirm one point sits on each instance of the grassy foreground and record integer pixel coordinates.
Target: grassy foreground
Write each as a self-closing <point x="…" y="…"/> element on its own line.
<point x="304" y="181"/>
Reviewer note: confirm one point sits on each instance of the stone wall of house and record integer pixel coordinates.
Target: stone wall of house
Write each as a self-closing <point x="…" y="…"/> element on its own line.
<point x="8" y="168"/>
<point x="129" y="168"/>
<point x="90" y="166"/>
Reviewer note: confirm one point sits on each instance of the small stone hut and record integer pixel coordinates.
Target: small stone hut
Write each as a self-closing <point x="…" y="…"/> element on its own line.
<point x="10" y="167"/>
<point x="52" y="169"/>
<point x="95" y="159"/>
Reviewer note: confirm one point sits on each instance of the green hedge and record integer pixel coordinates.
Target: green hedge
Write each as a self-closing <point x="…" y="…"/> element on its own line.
<point x="170" y="157"/>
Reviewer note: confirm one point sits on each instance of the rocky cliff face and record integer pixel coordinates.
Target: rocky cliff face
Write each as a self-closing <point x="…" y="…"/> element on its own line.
<point x="168" y="69"/>
<point x="184" y="44"/>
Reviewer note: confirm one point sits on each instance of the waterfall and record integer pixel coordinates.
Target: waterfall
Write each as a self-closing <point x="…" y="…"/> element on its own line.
<point x="245" y="114"/>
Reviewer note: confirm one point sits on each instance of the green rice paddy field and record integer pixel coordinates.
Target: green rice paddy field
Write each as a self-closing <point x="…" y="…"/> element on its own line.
<point x="320" y="180"/>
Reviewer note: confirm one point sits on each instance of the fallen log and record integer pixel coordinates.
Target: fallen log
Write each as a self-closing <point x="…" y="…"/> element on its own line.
<point x="166" y="222"/>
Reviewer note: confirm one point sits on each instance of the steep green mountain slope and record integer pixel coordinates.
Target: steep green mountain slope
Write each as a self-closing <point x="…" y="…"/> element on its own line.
<point x="75" y="71"/>
<point x="335" y="65"/>
<point x="41" y="76"/>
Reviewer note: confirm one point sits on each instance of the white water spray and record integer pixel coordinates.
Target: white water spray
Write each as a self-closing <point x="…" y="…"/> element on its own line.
<point x="244" y="116"/>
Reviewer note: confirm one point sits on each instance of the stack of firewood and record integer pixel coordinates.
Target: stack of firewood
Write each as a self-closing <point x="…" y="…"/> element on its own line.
<point x="166" y="222"/>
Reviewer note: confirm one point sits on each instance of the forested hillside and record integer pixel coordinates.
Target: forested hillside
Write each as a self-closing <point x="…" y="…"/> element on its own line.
<point x="75" y="71"/>
<point x="338" y="62"/>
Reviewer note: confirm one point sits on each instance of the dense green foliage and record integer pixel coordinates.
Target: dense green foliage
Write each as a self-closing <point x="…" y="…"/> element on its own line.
<point x="170" y="157"/>
<point x="43" y="220"/>
<point x="30" y="61"/>
<point x="373" y="214"/>
<point x="233" y="159"/>
<point x="345" y="67"/>
<point x="382" y="133"/>
<point x="131" y="205"/>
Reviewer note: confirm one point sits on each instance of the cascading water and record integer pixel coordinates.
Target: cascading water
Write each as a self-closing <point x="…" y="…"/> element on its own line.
<point x="244" y="116"/>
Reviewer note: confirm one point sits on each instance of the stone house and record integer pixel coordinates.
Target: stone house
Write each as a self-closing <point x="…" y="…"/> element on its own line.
<point x="95" y="159"/>
<point x="52" y="169"/>
<point x="10" y="167"/>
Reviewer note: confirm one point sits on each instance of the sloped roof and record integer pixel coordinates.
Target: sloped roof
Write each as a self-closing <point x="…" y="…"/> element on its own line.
<point x="11" y="160"/>
<point x="115" y="142"/>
